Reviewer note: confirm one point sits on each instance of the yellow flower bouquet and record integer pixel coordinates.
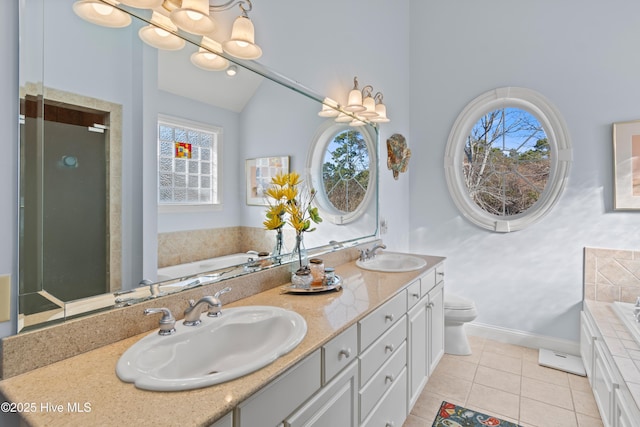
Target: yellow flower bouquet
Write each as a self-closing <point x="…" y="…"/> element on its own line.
<point x="291" y="204"/>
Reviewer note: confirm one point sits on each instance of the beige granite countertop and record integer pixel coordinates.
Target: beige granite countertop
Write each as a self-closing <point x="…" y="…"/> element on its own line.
<point x="88" y="381"/>
<point x="624" y="349"/>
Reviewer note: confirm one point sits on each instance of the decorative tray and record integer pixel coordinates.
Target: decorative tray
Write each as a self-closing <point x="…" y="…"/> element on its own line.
<point x="334" y="285"/>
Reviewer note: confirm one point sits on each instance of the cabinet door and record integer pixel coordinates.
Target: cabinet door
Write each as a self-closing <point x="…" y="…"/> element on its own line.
<point x="435" y="312"/>
<point x="335" y="405"/>
<point x="603" y="384"/>
<point x="587" y="336"/>
<point x="417" y="352"/>
<point x="272" y="404"/>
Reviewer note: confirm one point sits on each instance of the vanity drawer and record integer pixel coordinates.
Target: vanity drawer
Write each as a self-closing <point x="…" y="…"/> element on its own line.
<point x="428" y="281"/>
<point x="385" y="316"/>
<point x="381" y="350"/>
<point x="339" y="352"/>
<point x="391" y="409"/>
<point x="413" y="294"/>
<point x="382" y="381"/>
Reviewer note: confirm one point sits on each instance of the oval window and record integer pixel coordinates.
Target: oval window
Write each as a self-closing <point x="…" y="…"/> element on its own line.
<point x="507" y="159"/>
<point x="341" y="168"/>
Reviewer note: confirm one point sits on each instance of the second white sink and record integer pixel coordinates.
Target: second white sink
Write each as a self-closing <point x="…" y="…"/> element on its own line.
<point x="391" y="262"/>
<point x="240" y="341"/>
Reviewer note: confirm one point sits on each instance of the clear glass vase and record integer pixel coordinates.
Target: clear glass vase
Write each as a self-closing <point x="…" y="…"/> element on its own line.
<point x="278" y="247"/>
<point x="299" y="254"/>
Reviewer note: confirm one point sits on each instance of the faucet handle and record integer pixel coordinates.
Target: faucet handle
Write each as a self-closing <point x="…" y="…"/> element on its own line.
<point x="222" y="291"/>
<point x="638" y="302"/>
<point x="167" y="321"/>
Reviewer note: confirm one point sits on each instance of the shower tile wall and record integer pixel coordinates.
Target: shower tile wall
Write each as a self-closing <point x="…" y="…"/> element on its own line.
<point x="181" y="247"/>
<point x="611" y="275"/>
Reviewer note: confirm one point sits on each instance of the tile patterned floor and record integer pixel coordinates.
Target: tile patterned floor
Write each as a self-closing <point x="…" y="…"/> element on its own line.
<point x="506" y="381"/>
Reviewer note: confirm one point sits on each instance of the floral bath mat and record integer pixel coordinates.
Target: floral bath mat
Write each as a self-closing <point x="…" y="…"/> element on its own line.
<point x="450" y="415"/>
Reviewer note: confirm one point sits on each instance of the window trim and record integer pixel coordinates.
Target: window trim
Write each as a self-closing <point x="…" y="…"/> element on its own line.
<point x="559" y="144"/>
<point x="315" y="160"/>
<point x="216" y="204"/>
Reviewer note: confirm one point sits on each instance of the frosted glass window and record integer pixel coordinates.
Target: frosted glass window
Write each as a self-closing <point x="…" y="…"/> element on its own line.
<point x="187" y="162"/>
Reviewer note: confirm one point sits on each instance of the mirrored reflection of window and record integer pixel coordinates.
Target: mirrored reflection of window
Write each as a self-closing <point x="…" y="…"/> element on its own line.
<point x="345" y="171"/>
<point x="187" y="162"/>
<point x="506" y="161"/>
<point x="342" y="169"/>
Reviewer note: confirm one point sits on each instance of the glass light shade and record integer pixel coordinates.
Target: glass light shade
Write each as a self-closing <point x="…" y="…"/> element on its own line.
<point x="142" y="4"/>
<point x="329" y="108"/>
<point x="159" y="35"/>
<point x="382" y="114"/>
<point x="242" y="42"/>
<point x="370" y="107"/>
<point x="193" y="17"/>
<point x="207" y="59"/>
<point x="100" y="13"/>
<point x="354" y="103"/>
<point x="343" y="118"/>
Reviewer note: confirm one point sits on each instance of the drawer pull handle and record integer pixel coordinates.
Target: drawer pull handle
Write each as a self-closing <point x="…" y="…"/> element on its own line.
<point x="389" y="347"/>
<point x="388" y="378"/>
<point x="440" y="273"/>
<point x="344" y="353"/>
<point x="416" y="296"/>
<point x="389" y="317"/>
<point x="430" y="305"/>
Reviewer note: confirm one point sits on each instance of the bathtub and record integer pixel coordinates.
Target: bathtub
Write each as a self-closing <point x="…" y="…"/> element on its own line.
<point x="202" y="266"/>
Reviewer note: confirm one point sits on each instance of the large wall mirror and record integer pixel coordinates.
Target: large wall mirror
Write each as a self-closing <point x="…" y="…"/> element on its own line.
<point x="91" y="227"/>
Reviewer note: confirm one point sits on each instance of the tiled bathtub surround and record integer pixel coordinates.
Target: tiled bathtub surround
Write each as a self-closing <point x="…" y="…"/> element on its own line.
<point x="181" y="247"/>
<point x="611" y="275"/>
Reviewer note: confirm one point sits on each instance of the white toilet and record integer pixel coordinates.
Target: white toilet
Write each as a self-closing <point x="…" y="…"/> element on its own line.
<point x="457" y="312"/>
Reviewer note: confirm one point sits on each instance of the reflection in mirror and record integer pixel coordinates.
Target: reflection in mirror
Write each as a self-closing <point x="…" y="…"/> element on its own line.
<point x="92" y="228"/>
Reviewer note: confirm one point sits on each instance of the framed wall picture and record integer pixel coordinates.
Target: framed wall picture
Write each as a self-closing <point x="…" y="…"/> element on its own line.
<point x="259" y="173"/>
<point x="626" y="165"/>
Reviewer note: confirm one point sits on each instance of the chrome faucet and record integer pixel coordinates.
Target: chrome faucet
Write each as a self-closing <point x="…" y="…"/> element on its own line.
<point x="167" y="322"/>
<point x="371" y="253"/>
<point x="213" y="303"/>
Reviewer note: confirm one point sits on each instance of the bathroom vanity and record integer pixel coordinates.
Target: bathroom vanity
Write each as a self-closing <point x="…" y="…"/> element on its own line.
<point x="368" y="353"/>
<point x="611" y="357"/>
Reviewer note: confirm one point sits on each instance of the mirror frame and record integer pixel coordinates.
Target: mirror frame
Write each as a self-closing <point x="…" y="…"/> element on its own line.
<point x="108" y="301"/>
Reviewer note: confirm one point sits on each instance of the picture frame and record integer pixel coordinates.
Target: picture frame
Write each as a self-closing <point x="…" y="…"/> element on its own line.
<point x="259" y="172"/>
<point x="626" y="165"/>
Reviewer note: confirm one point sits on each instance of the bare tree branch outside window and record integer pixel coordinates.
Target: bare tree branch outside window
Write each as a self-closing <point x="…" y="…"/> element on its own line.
<point x="507" y="161"/>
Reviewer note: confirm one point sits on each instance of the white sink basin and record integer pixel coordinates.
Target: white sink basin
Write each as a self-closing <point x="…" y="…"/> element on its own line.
<point x="240" y="341"/>
<point x="392" y="263"/>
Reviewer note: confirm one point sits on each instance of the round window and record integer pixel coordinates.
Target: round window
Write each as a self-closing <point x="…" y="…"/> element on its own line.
<point x="507" y="159"/>
<point x="341" y="169"/>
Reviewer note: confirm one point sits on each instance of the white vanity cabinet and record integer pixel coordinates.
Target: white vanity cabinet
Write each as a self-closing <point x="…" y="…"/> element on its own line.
<point x="425" y="333"/>
<point x="382" y="353"/>
<point x="368" y="375"/>
<point x="615" y="403"/>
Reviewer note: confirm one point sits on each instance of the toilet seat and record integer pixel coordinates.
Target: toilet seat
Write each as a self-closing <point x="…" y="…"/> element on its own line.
<point x="455" y="302"/>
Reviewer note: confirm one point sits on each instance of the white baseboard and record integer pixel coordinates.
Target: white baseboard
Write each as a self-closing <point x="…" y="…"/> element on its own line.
<point x="525" y="339"/>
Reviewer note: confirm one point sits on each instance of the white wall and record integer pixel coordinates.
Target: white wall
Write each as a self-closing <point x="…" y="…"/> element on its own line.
<point x="323" y="45"/>
<point x="582" y="56"/>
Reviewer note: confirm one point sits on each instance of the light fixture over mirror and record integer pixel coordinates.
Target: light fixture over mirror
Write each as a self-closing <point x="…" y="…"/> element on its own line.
<point x="362" y="107"/>
<point x="192" y="16"/>
<point x="102" y="12"/>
